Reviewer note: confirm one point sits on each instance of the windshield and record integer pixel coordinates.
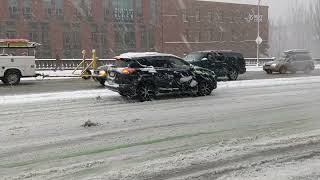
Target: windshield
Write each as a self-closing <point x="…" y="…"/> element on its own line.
<point x="194" y="57"/>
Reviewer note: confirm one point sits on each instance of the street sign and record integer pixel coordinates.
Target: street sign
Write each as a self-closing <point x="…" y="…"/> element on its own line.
<point x="259" y="40"/>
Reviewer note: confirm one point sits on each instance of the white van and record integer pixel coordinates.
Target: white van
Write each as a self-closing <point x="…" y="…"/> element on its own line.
<point x="14" y="67"/>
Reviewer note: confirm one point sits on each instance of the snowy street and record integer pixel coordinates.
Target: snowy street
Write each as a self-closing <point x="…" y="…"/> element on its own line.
<point x="244" y="130"/>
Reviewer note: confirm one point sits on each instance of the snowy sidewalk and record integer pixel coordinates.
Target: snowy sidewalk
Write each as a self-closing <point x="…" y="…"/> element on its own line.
<point x="260" y="68"/>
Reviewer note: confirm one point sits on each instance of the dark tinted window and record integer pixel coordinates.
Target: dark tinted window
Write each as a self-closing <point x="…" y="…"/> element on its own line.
<point x="159" y="62"/>
<point x="144" y="62"/>
<point x="301" y="57"/>
<point x="178" y="63"/>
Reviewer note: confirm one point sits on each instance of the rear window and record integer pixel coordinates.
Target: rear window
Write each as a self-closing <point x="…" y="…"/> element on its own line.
<point x="194" y="57"/>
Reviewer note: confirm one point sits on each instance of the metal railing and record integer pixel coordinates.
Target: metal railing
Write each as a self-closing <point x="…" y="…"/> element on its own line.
<point x="66" y="64"/>
<point x="69" y="64"/>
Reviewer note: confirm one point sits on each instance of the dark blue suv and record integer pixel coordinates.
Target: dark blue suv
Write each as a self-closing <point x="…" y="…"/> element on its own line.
<point x="146" y="75"/>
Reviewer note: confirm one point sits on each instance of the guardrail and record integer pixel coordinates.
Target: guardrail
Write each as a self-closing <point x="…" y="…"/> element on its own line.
<point x="253" y="61"/>
<point x="69" y="64"/>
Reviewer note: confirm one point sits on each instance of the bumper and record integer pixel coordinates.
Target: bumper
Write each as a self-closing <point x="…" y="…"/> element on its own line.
<point x="243" y="70"/>
<point x="272" y="68"/>
<point x="123" y="89"/>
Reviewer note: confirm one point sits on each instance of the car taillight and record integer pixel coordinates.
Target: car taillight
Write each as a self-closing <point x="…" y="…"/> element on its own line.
<point x="128" y="70"/>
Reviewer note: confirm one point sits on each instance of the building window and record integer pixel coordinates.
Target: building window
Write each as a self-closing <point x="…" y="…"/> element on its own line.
<point x="125" y="37"/>
<point x="185" y="15"/>
<point x="153" y="11"/>
<point x="221" y="36"/>
<point x="106" y="10"/>
<point x="48" y="7"/>
<point x="210" y="35"/>
<point x="139" y="8"/>
<point x="87" y="7"/>
<point x="233" y="35"/>
<point x="198" y="36"/>
<point x="95" y="38"/>
<point x="59" y="8"/>
<point x="27" y="8"/>
<point x="66" y="40"/>
<point x="198" y="15"/>
<point x="123" y="10"/>
<point x="13" y="8"/>
<point x="33" y="36"/>
<point x="187" y="35"/>
<point x="76" y="44"/>
<point x="211" y="17"/>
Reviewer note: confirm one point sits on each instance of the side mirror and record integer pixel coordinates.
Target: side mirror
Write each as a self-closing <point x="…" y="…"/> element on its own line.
<point x="204" y="59"/>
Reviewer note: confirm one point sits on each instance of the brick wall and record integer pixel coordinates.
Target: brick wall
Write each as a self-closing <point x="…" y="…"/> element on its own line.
<point x="88" y="24"/>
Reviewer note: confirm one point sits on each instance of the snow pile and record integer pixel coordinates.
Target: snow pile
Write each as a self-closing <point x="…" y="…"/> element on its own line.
<point x="31" y="98"/>
<point x="19" y="99"/>
<point x="269" y="82"/>
<point x="222" y="160"/>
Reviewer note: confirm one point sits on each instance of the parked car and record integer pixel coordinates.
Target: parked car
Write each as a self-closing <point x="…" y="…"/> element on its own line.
<point x="223" y="63"/>
<point x="291" y="61"/>
<point x="146" y="75"/>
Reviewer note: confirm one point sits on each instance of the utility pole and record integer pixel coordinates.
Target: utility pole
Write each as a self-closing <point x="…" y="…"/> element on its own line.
<point x="258" y="40"/>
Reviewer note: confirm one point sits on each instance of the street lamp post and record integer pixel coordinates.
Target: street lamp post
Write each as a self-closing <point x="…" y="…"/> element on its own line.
<point x="258" y="36"/>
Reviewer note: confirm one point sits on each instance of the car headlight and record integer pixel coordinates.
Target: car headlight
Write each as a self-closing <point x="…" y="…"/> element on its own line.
<point x="274" y="65"/>
<point x="103" y="73"/>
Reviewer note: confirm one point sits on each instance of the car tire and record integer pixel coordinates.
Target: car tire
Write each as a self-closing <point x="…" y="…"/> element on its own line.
<point x="204" y="88"/>
<point x="307" y="70"/>
<point x="87" y="75"/>
<point x="102" y="81"/>
<point x="269" y="71"/>
<point x="283" y="70"/>
<point x="146" y="92"/>
<point x="233" y="75"/>
<point x="12" y="77"/>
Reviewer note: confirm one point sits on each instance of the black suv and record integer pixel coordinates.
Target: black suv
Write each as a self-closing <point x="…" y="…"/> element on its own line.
<point x="223" y="63"/>
<point x="145" y="75"/>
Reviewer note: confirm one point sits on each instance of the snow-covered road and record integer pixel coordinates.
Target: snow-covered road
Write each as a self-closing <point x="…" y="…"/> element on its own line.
<point x="245" y="130"/>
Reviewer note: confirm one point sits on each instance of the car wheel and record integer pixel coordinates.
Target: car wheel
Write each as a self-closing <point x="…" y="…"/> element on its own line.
<point x="283" y="70"/>
<point x="204" y="88"/>
<point x="12" y="77"/>
<point x="233" y="75"/>
<point x="269" y="71"/>
<point x="102" y="81"/>
<point x="146" y="92"/>
<point x="86" y="75"/>
<point x="307" y="70"/>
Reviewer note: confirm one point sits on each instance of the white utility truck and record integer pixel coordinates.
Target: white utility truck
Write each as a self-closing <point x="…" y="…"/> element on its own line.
<point x="16" y="61"/>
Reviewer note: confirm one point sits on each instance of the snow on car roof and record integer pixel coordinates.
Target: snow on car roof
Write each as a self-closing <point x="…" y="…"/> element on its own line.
<point x="296" y="51"/>
<point x="131" y="55"/>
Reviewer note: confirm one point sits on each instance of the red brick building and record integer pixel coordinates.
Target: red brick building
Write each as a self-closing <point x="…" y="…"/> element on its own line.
<point x="190" y="25"/>
<point x="115" y="26"/>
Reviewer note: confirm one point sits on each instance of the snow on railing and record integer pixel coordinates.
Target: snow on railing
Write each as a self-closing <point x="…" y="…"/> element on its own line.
<point x="68" y="64"/>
